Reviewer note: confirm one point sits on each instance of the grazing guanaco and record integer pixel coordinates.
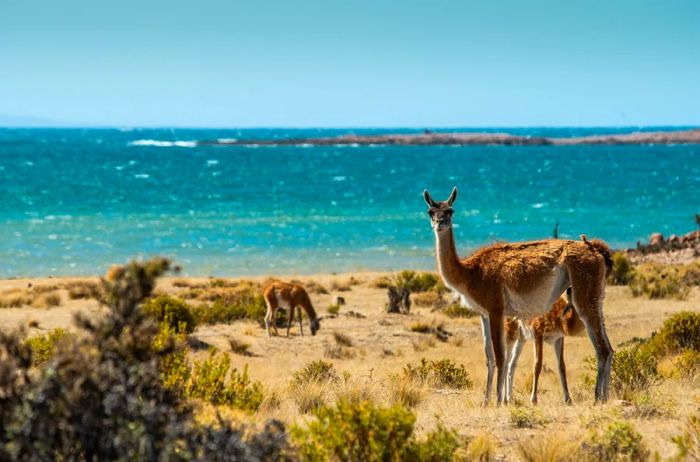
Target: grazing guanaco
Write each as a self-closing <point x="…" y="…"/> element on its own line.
<point x="562" y="321"/>
<point x="290" y="297"/>
<point x="523" y="280"/>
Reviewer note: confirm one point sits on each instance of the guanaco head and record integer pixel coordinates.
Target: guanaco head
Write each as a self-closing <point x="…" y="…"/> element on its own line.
<point x="315" y="325"/>
<point x="440" y="212"/>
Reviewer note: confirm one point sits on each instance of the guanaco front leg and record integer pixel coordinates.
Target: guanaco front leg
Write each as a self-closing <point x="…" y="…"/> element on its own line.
<point x="538" y="366"/>
<point x="301" y="325"/>
<point x="290" y="320"/>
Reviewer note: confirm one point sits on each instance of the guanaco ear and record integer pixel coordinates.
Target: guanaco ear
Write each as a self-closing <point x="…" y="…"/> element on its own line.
<point x="428" y="200"/>
<point x="453" y="196"/>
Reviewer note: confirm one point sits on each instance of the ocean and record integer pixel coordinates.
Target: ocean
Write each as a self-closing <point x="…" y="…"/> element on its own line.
<point x="75" y="201"/>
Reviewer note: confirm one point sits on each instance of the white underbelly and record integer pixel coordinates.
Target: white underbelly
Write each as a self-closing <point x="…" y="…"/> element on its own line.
<point x="282" y="303"/>
<point x="539" y="300"/>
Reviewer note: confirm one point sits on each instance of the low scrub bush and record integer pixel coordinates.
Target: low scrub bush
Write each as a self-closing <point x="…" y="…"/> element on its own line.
<point x="82" y="289"/>
<point x="687" y="364"/>
<point x="434" y="327"/>
<point x="619" y="441"/>
<point x="102" y="397"/>
<point x="443" y="373"/>
<point x="657" y="281"/>
<point x="333" y="309"/>
<point x="551" y="448"/>
<point x="688" y="443"/>
<point x="623" y="270"/>
<point x="405" y="391"/>
<point x="315" y="371"/>
<point x="43" y="346"/>
<point x="456" y="310"/>
<point x="633" y="369"/>
<point x="47" y="300"/>
<point x="428" y="299"/>
<point x="245" y="302"/>
<point x="363" y="431"/>
<point x="415" y="282"/>
<point x="342" y="339"/>
<point x="482" y="448"/>
<point x="171" y="311"/>
<point x="213" y="380"/>
<point x="526" y="417"/>
<point x="239" y="347"/>
<point x="678" y="333"/>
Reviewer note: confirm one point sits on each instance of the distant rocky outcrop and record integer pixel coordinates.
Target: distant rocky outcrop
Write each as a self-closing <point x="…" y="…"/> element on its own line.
<point x="432" y="138"/>
<point x="674" y="249"/>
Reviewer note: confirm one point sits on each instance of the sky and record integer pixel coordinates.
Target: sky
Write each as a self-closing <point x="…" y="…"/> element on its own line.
<point x="354" y="63"/>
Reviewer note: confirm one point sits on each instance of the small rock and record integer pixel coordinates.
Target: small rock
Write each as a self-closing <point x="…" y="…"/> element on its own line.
<point x="338" y="300"/>
<point x="656" y="239"/>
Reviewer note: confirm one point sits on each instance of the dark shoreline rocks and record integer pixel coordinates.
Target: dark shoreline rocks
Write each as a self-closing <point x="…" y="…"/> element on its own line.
<point x="435" y="139"/>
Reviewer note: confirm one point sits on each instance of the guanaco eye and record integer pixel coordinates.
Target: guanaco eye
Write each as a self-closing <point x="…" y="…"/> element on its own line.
<point x="449" y="212"/>
<point x="431" y="212"/>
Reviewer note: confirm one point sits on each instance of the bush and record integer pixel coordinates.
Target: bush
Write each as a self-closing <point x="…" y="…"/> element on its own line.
<point x="633" y="369"/>
<point x="213" y="380"/>
<point x="622" y="272"/>
<point x="679" y="332"/>
<point x="43" y="346"/>
<point x="442" y="374"/>
<point x="657" y="281"/>
<point x="101" y="397"/>
<point x="688" y="443"/>
<point x="333" y="309"/>
<point x="171" y="311"/>
<point x="456" y="310"/>
<point x="242" y="303"/>
<point x="618" y="442"/>
<point x="524" y="417"/>
<point x="239" y="347"/>
<point x="405" y="391"/>
<point x="82" y="289"/>
<point x="687" y="363"/>
<point x="552" y="448"/>
<point x="415" y="282"/>
<point x="353" y="432"/>
<point x="439" y="445"/>
<point x="315" y="371"/>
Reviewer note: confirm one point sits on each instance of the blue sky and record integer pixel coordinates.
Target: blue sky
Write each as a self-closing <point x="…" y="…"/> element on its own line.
<point x="285" y="63"/>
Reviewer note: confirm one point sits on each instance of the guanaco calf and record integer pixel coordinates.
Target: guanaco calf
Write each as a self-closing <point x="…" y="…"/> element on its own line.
<point x="551" y="327"/>
<point x="290" y="297"/>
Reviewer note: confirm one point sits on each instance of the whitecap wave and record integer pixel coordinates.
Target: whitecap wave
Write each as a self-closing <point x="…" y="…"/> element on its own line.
<point x="164" y="144"/>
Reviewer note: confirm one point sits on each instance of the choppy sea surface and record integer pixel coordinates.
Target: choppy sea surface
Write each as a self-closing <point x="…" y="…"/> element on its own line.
<point x="74" y="201"/>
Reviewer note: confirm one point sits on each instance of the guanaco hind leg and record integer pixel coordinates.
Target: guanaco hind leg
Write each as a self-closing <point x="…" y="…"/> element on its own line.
<point x="271" y="315"/>
<point x="537" y="367"/>
<point x="490" y="363"/>
<point x="559" y="351"/>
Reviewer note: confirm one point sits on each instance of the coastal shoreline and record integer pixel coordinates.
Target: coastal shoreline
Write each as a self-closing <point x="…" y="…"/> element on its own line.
<point x="450" y="139"/>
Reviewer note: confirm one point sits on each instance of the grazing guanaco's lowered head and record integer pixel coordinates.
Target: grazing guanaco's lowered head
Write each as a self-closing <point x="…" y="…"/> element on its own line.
<point x="440" y="212"/>
<point x="315" y="325"/>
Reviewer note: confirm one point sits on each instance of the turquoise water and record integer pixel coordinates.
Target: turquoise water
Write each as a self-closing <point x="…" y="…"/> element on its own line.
<point x="77" y="200"/>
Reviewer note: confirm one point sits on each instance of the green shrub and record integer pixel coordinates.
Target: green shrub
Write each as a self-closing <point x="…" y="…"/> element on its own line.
<point x="354" y="432"/>
<point x="214" y="381"/>
<point x="415" y="282"/>
<point x="687" y="363"/>
<point x="633" y="369"/>
<point x="456" y="310"/>
<point x="622" y="272"/>
<point x="245" y="303"/>
<point x="442" y="374"/>
<point x="315" y="371"/>
<point x="679" y="332"/>
<point x="43" y="346"/>
<point x="102" y="396"/>
<point x="171" y="311"/>
<point x="526" y="417"/>
<point x="688" y="443"/>
<point x="657" y="281"/>
<point x="619" y="441"/>
<point x="438" y="446"/>
<point x="333" y="309"/>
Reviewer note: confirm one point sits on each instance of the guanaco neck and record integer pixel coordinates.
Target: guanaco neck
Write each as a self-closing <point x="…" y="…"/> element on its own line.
<point x="449" y="266"/>
<point x="309" y="308"/>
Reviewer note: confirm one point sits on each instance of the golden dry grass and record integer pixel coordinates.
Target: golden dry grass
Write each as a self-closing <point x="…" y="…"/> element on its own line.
<point x="383" y="344"/>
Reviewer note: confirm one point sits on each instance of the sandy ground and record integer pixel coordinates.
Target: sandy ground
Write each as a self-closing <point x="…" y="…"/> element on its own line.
<point x="382" y="345"/>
